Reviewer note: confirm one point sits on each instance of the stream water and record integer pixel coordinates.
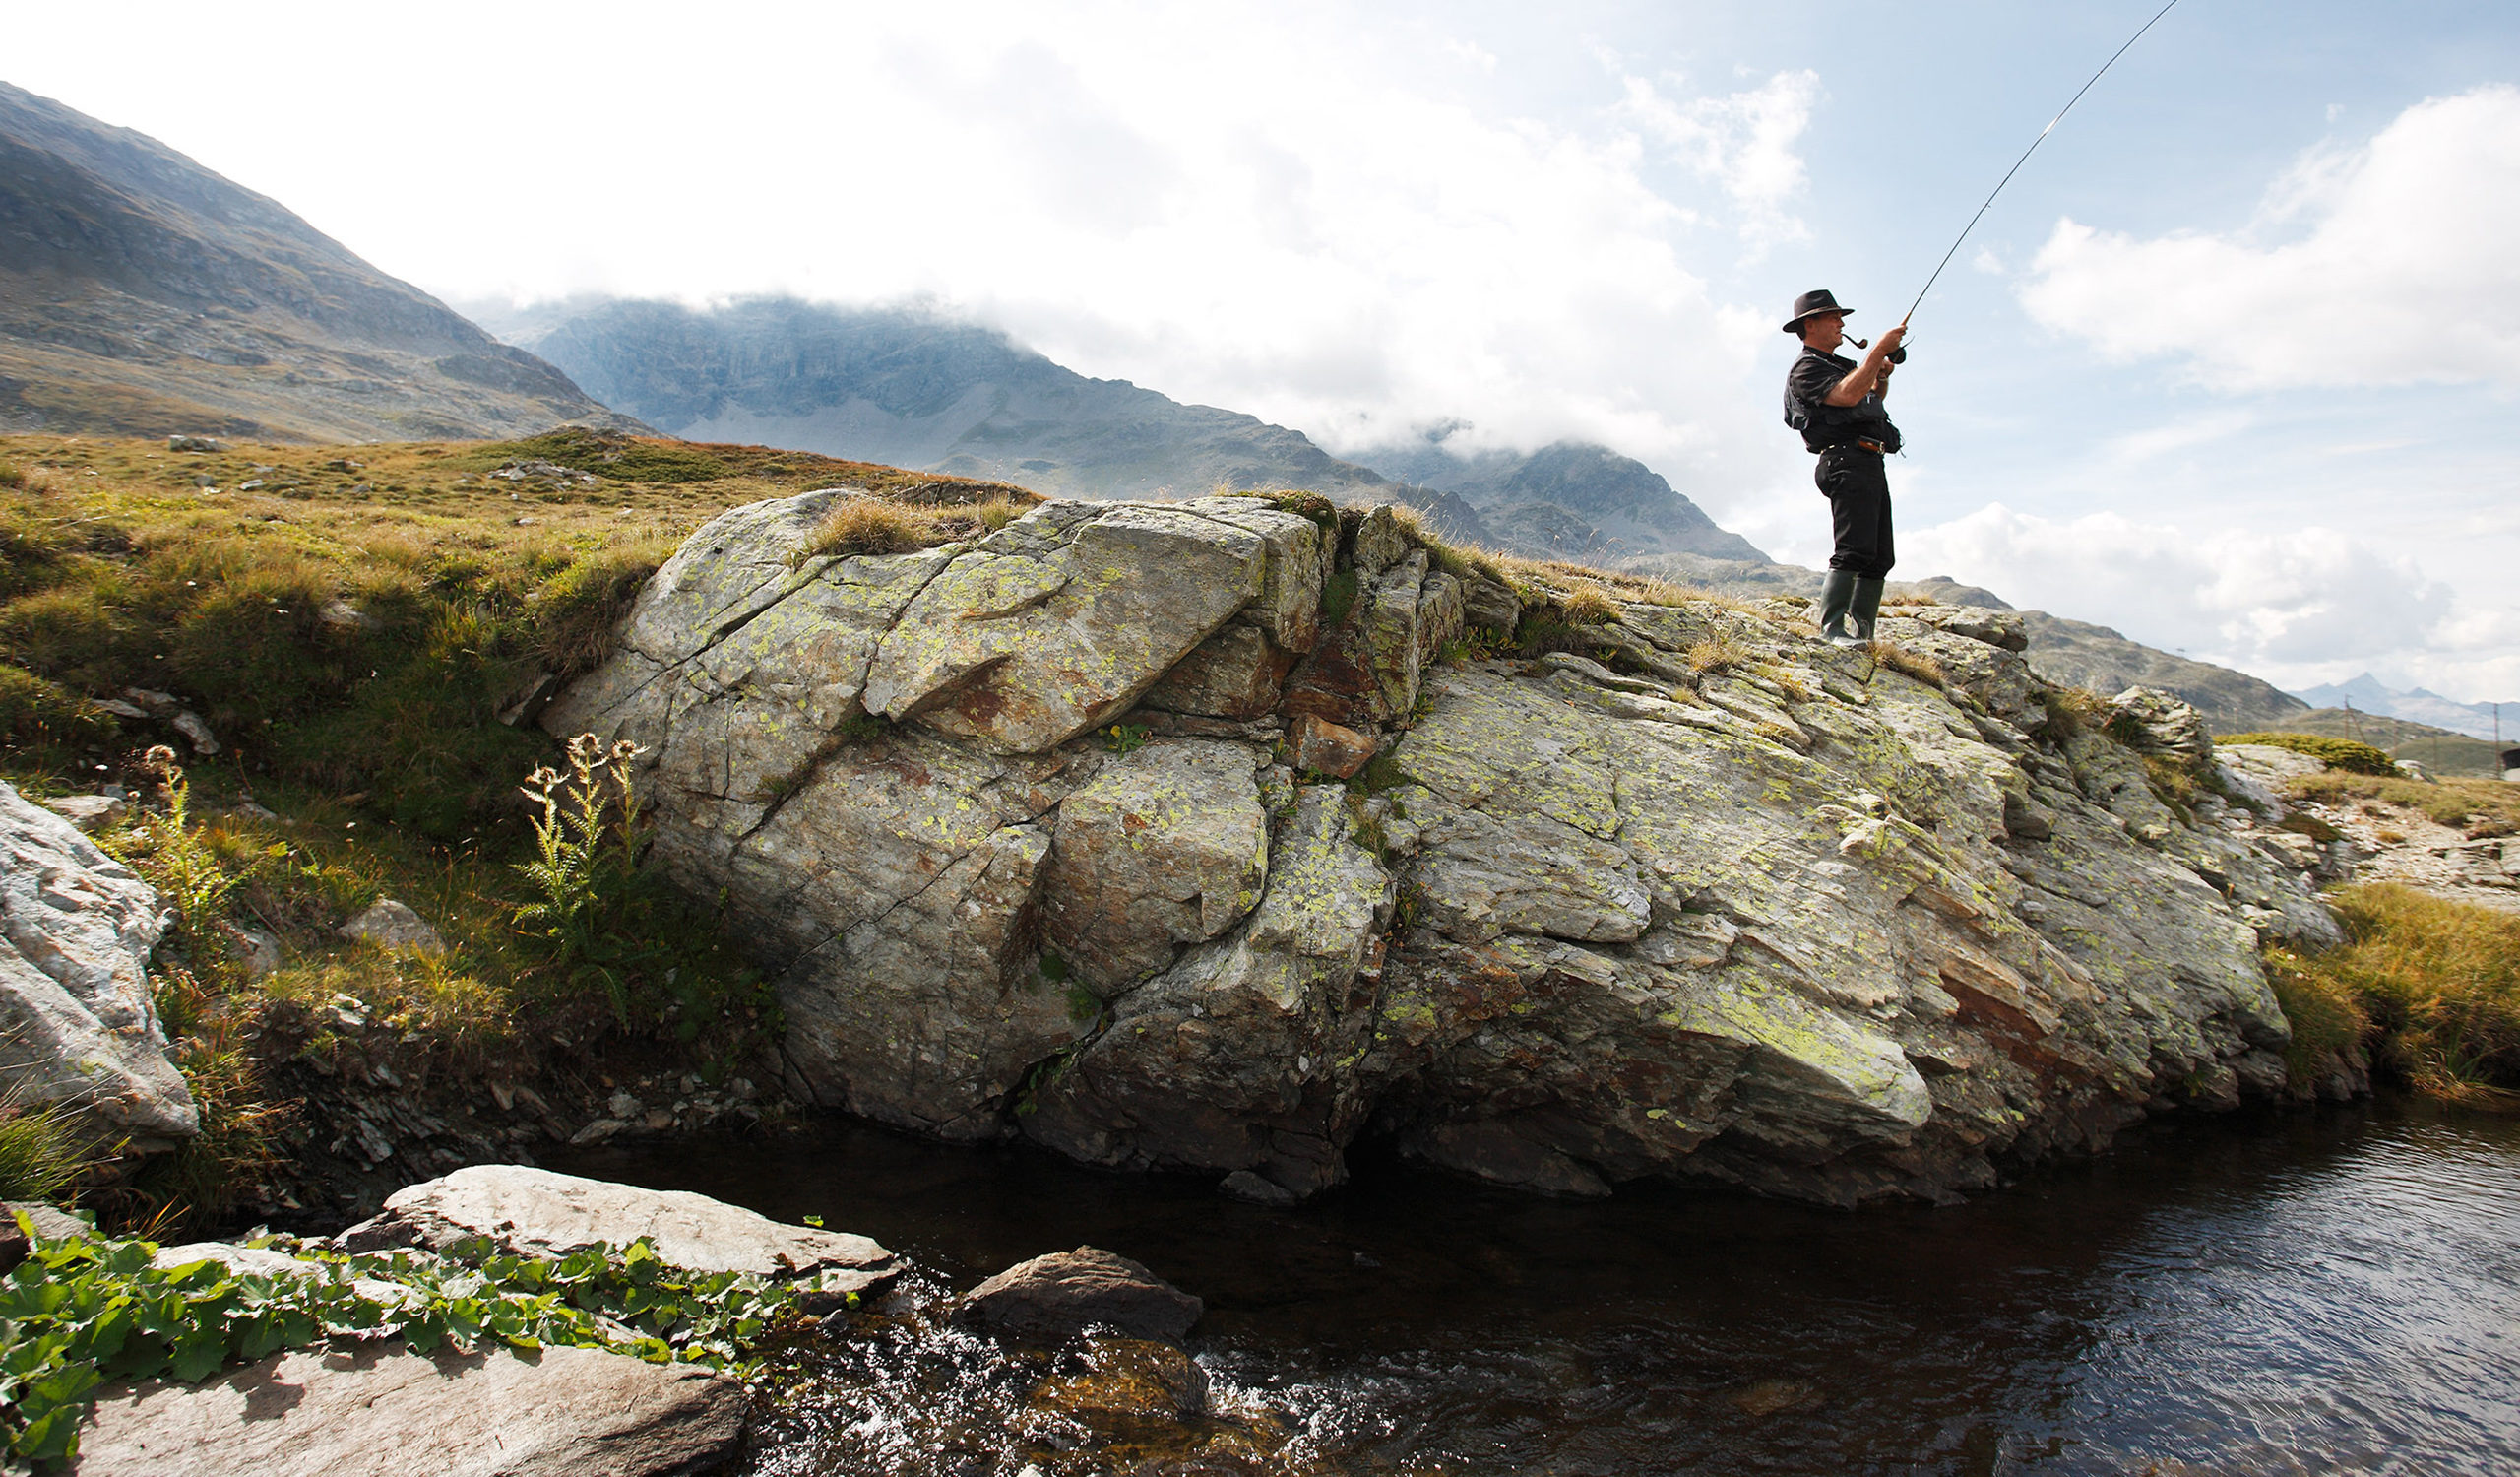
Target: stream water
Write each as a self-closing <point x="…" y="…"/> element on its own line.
<point x="2337" y="1292"/>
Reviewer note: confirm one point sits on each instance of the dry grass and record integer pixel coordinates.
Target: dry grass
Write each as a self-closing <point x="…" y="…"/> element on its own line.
<point x="1715" y="654"/>
<point x="1588" y="604"/>
<point x="869" y="525"/>
<point x="2481" y="807"/>
<point x="2433" y="986"/>
<point x="1911" y="663"/>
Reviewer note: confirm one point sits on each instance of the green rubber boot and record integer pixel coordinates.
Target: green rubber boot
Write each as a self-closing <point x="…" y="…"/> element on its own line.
<point x="1837" y="602"/>
<point x="1868" y="608"/>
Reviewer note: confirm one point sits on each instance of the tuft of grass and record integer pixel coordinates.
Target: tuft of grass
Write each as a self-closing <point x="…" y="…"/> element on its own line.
<point x="2432" y="986"/>
<point x="867" y="525"/>
<point x="1911" y="663"/>
<point x="1588" y="604"/>
<point x="2336" y="753"/>
<point x="43" y="1151"/>
<point x="1713" y="654"/>
<point x="577" y="612"/>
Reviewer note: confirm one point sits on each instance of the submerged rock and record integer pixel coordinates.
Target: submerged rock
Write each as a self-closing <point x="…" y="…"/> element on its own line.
<point x="1050" y="1298"/>
<point x="1785" y="919"/>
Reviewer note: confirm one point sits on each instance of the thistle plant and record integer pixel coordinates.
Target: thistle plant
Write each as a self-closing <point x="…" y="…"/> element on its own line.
<point x="590" y="846"/>
<point x="189" y="870"/>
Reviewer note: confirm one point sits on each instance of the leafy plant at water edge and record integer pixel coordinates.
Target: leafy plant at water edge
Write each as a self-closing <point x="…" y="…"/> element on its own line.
<point x="80" y="1311"/>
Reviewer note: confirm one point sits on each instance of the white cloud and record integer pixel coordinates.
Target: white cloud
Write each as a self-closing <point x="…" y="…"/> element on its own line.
<point x="1748" y="142"/>
<point x="1328" y="216"/>
<point x="2296" y="605"/>
<point x="2386" y="263"/>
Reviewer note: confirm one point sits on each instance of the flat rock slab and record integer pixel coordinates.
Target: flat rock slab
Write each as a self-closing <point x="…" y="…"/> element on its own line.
<point x="379" y="1408"/>
<point x="540" y="1213"/>
<point x="1050" y="1298"/>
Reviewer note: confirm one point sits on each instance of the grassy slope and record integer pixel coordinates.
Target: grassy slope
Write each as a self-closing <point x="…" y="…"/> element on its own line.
<point x="351" y="630"/>
<point x="2437" y="749"/>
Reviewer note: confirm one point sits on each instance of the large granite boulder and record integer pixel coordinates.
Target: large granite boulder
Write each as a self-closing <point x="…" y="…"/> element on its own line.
<point x="76" y="1025"/>
<point x="1705" y="896"/>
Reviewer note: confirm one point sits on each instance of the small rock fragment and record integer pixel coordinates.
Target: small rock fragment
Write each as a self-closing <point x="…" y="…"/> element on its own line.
<point x="391" y="925"/>
<point x="1330" y="748"/>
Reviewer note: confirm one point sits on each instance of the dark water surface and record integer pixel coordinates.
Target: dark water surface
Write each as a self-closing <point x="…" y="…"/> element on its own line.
<point x="2336" y="1292"/>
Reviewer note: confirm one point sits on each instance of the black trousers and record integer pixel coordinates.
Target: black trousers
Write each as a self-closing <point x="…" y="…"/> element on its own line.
<point x="1859" y="492"/>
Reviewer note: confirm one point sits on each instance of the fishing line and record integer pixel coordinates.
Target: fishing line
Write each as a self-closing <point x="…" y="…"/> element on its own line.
<point x="2027" y="152"/>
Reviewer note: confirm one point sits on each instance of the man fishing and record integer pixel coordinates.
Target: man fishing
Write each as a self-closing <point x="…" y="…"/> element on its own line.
<point x="1836" y="403"/>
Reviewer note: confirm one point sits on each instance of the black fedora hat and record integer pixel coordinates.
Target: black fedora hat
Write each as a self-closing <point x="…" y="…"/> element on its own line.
<point x="1817" y="300"/>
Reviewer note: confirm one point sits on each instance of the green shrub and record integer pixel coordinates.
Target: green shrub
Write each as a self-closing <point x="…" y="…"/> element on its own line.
<point x="1339" y="595"/>
<point x="627" y="459"/>
<point x="577" y="611"/>
<point x="42" y="718"/>
<point x="2348" y="754"/>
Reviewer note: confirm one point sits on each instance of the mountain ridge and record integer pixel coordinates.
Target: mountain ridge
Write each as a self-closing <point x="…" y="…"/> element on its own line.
<point x="140" y="293"/>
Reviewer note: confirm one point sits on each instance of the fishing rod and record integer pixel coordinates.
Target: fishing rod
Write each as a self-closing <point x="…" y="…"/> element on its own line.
<point x="1899" y="354"/>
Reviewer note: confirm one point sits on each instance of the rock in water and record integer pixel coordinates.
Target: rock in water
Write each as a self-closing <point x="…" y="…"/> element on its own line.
<point x="379" y="1410"/>
<point x="540" y="1213"/>
<point x="76" y="1025"/>
<point x="1779" y="918"/>
<point x="1050" y="1298"/>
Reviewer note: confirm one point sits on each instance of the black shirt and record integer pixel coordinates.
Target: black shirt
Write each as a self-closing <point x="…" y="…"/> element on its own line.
<point x="1823" y="426"/>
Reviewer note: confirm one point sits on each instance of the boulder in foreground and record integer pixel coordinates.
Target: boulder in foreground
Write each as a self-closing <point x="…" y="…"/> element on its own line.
<point x="380" y="1411"/>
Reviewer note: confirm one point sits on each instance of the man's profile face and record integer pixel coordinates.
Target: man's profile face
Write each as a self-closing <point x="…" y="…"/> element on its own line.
<point x="1825" y="330"/>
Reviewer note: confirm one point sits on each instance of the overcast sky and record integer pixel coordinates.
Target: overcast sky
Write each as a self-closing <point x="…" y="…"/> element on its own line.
<point x="2230" y="366"/>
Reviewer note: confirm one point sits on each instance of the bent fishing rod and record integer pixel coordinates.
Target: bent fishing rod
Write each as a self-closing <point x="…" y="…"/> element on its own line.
<point x="1899" y="354"/>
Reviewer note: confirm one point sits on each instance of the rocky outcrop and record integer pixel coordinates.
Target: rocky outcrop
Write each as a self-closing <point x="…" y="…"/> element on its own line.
<point x="76" y="1025"/>
<point x="536" y="1212"/>
<point x="1693" y="894"/>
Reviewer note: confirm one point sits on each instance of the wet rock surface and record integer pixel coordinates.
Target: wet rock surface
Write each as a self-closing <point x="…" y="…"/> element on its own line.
<point x="1052" y="1298"/>
<point x="1782" y="916"/>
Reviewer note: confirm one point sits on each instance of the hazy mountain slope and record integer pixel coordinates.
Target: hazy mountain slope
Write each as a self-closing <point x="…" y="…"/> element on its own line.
<point x="2096" y="657"/>
<point x="916" y="390"/>
<point x="142" y="293"/>
<point x="1628" y="506"/>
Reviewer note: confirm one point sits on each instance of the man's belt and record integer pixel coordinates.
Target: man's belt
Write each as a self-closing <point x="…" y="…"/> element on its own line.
<point x="1859" y="444"/>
